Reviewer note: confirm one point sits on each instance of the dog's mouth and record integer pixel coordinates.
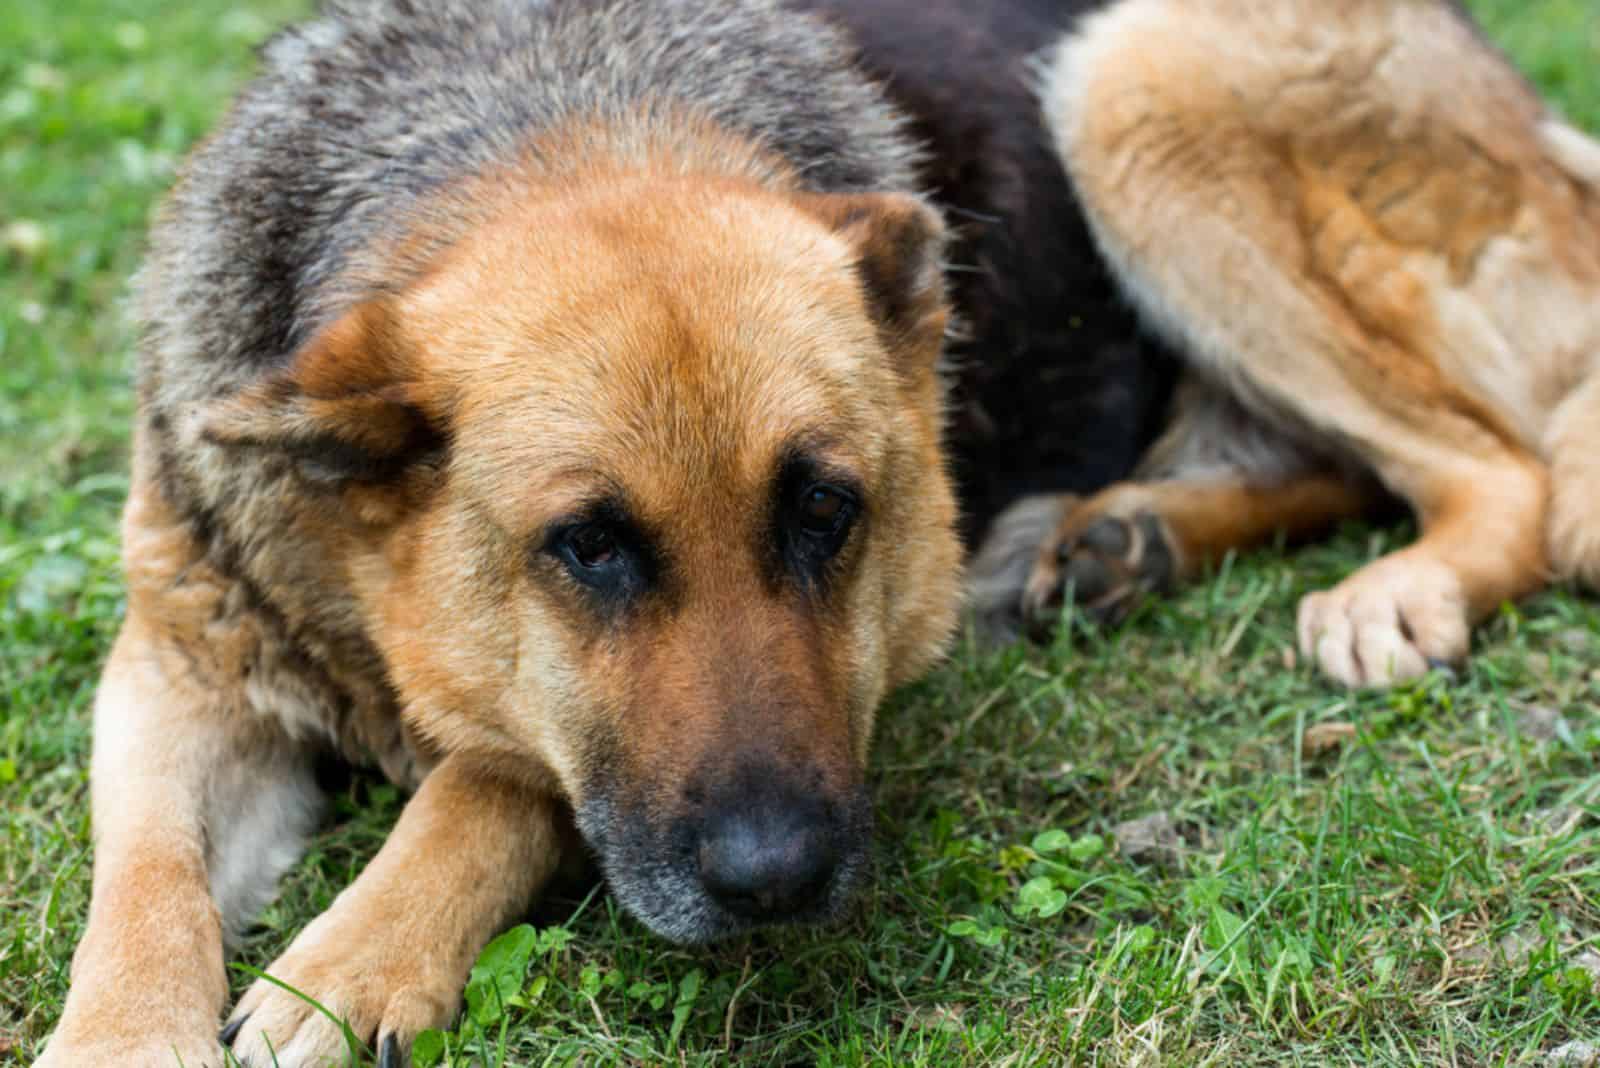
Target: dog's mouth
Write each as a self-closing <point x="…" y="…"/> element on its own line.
<point x="763" y="860"/>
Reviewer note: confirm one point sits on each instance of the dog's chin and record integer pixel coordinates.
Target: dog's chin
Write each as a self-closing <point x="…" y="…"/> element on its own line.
<point x="653" y="875"/>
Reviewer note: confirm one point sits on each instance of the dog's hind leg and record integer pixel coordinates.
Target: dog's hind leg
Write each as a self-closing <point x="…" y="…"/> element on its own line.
<point x="198" y="806"/>
<point x="1305" y="220"/>
<point x="1217" y="481"/>
<point x="1572" y="438"/>
<point x="1573" y="443"/>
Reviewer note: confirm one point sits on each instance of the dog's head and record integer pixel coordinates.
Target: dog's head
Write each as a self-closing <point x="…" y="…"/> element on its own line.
<point x="651" y="501"/>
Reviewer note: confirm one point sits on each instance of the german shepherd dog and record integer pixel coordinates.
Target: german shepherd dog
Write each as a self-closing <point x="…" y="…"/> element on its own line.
<point x="556" y="404"/>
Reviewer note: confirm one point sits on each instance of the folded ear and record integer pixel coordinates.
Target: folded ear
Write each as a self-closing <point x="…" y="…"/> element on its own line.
<point x="347" y="408"/>
<point x="899" y="243"/>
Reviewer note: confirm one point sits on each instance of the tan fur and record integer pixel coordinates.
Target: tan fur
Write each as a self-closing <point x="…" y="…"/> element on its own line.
<point x="589" y="391"/>
<point x="389" y="955"/>
<point x="175" y="672"/>
<point x="1379" y="255"/>
<point x="1357" y="222"/>
<point x="1204" y="521"/>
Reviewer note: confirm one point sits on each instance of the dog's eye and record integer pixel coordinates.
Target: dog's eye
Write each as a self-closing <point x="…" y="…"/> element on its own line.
<point x="592" y="545"/>
<point x="823" y="509"/>
<point x="815" y="510"/>
<point x="608" y="555"/>
<point x="824" y="514"/>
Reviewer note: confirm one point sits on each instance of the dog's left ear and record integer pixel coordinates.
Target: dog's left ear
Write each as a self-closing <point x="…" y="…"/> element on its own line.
<point x="899" y="243"/>
<point x="347" y="407"/>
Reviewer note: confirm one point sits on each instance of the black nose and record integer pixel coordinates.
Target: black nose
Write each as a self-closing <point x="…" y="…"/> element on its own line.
<point x="767" y="861"/>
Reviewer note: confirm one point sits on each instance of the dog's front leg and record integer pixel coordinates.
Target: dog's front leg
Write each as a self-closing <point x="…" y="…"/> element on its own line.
<point x="191" y="796"/>
<point x="392" y="953"/>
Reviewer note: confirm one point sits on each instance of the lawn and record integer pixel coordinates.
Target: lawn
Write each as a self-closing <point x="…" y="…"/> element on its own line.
<point x="1159" y="845"/>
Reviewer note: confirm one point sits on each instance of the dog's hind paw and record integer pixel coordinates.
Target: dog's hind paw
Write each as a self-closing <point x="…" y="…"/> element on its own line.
<point x="1394" y="620"/>
<point x="1106" y="559"/>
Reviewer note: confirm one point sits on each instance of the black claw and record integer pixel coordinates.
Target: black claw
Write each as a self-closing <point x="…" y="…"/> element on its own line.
<point x="231" y="1032"/>
<point x="389" y="1055"/>
<point x="1108" y="535"/>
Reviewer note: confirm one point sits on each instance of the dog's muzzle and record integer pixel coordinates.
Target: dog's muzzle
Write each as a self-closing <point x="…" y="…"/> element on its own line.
<point x="760" y="849"/>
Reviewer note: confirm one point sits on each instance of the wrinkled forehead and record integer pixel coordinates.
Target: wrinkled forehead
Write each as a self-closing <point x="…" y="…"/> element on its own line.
<point x="685" y="347"/>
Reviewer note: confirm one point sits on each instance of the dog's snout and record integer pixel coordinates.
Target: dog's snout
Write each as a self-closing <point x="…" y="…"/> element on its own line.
<point x="767" y="862"/>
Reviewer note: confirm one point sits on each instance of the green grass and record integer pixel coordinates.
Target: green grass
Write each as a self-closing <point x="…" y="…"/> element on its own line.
<point x="1423" y="892"/>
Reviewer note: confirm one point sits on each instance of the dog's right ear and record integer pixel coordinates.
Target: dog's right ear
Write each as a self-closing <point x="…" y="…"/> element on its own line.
<point x="348" y="407"/>
<point x="899" y="245"/>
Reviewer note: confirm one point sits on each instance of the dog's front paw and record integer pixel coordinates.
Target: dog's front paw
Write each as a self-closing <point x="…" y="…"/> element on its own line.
<point x="192" y="1051"/>
<point x="383" y="992"/>
<point x="1107" y="560"/>
<point x="130" y="1007"/>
